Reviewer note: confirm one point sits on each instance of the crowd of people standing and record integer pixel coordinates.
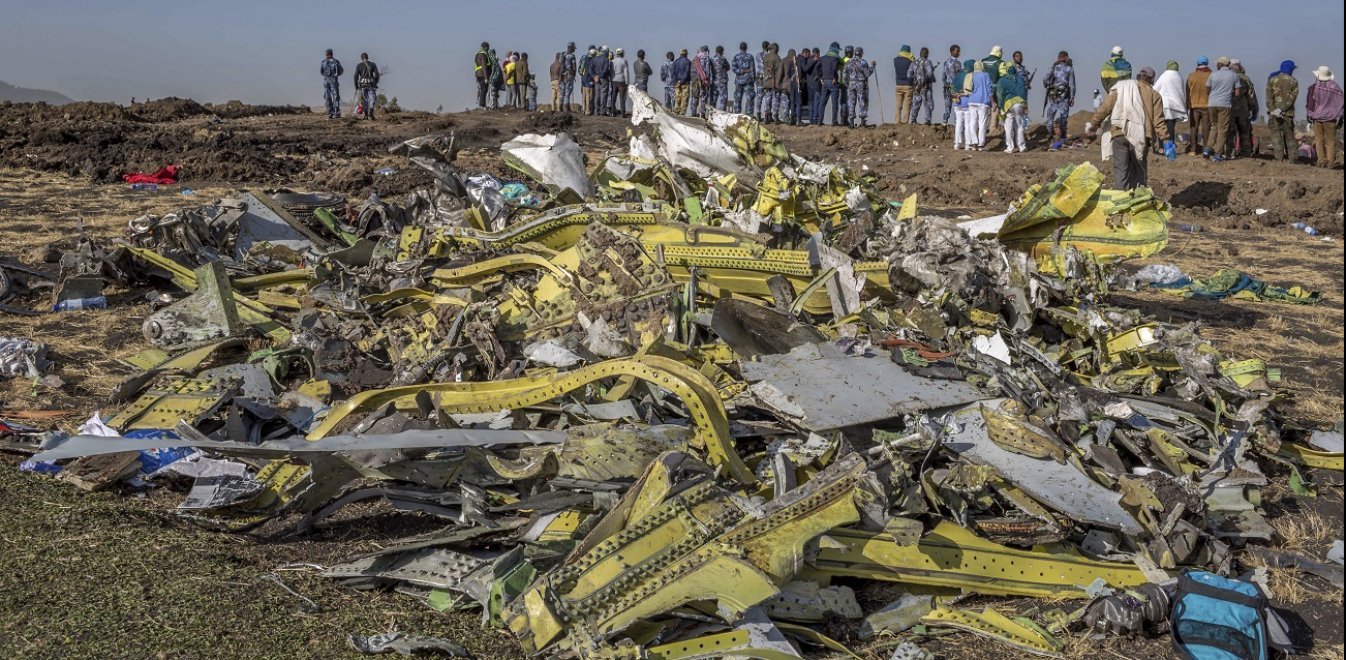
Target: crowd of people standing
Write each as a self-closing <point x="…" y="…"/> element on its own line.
<point x="981" y="96"/>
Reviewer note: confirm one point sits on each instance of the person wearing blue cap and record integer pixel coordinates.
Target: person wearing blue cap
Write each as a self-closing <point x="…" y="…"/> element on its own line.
<point x="1282" y="92"/>
<point x="902" y="83"/>
<point x="1198" y="106"/>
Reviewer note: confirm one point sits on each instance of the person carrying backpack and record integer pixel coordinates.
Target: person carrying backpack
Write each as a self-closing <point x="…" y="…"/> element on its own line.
<point x="367" y="84"/>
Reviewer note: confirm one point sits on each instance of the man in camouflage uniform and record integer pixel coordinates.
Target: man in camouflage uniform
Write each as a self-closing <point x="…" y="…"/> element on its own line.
<point x="497" y="77"/>
<point x="951" y="68"/>
<point x="745" y="80"/>
<point x="720" y="70"/>
<point x="568" y="69"/>
<point x="761" y="98"/>
<point x="1243" y="112"/>
<point x="1060" y="93"/>
<point x="857" y="87"/>
<point x="1282" y="92"/>
<point x="847" y="53"/>
<point x="331" y="84"/>
<point x="922" y="86"/>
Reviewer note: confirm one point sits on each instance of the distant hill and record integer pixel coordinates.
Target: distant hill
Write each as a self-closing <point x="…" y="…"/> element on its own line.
<point x="9" y="92"/>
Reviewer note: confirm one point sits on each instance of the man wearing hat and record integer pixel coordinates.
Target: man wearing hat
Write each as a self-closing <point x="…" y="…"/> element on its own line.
<point x="1198" y="108"/>
<point x="568" y="70"/>
<point x="1116" y="68"/>
<point x="1323" y="105"/>
<point x="1221" y="87"/>
<point x="857" y="88"/>
<point x="902" y="83"/>
<point x="1282" y="92"/>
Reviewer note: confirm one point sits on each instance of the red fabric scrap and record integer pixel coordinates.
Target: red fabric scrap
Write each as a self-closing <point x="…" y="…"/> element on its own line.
<point x="167" y="175"/>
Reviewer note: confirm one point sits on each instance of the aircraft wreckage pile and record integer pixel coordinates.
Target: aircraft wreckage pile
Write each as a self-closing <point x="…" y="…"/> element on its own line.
<point x="673" y="403"/>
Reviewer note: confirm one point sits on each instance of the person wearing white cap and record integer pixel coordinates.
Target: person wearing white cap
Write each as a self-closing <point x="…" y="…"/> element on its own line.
<point x="1222" y="85"/>
<point x="1116" y="68"/>
<point x="1324" y="104"/>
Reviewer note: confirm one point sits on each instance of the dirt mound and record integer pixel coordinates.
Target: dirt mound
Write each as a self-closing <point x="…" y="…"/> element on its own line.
<point x="240" y="110"/>
<point x="37" y="113"/>
<point x="551" y="122"/>
<point x="289" y="145"/>
<point x="169" y="109"/>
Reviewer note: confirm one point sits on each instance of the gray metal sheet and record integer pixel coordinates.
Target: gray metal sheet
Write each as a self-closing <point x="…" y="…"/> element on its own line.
<point x="1059" y="486"/>
<point x="261" y="224"/>
<point x="826" y="389"/>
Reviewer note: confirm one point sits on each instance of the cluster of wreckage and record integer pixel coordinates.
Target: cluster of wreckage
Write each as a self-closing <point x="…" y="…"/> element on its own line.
<point x="678" y="402"/>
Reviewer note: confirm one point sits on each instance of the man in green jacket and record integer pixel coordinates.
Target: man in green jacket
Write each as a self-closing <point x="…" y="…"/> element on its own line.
<point x="1282" y="92"/>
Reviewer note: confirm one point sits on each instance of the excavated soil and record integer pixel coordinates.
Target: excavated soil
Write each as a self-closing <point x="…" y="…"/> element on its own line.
<point x="288" y="145"/>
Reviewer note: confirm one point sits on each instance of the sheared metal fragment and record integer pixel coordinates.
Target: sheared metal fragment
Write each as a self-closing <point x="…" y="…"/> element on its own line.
<point x="805" y="601"/>
<point x="1061" y="486"/>
<point x="162" y="407"/>
<point x="827" y="389"/>
<point x="207" y="314"/>
<point x="994" y="625"/>
<point x="554" y="160"/>
<point x="690" y="544"/>
<point x="950" y="556"/>
<point x="697" y="394"/>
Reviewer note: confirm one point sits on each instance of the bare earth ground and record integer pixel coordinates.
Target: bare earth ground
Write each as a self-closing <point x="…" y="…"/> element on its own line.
<point x="114" y="575"/>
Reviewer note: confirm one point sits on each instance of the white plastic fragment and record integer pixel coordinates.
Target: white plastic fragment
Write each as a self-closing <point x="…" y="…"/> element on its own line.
<point x="551" y="354"/>
<point x="993" y="346"/>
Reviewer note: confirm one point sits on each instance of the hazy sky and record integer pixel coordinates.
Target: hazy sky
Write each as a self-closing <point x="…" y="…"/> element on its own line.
<point x="268" y="52"/>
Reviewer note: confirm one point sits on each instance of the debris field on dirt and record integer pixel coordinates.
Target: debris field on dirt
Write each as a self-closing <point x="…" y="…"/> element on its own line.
<point x="680" y="402"/>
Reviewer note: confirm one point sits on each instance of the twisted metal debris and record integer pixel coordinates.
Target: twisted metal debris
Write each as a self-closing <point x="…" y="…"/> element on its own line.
<point x="676" y="402"/>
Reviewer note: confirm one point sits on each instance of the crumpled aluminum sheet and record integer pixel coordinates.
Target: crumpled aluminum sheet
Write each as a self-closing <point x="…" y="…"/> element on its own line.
<point x="1057" y="485"/>
<point x="554" y="160"/>
<point x="826" y="389"/>
<point x="688" y="143"/>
